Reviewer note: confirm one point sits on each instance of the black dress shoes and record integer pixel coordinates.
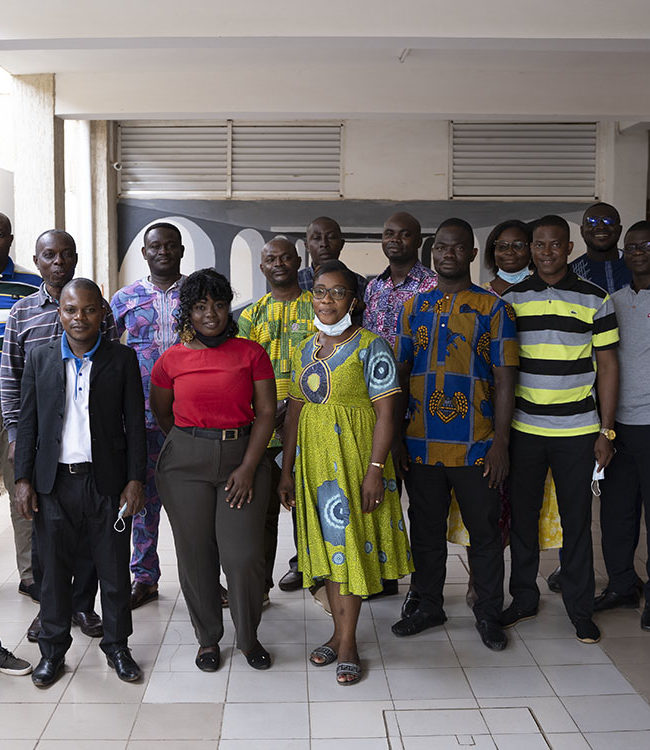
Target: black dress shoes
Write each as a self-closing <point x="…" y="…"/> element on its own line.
<point x="410" y="605"/>
<point x="30" y="590"/>
<point x="514" y="614"/>
<point x="554" y="581"/>
<point x="611" y="600"/>
<point x="492" y="635"/>
<point x="418" y="622"/>
<point x="90" y="623"/>
<point x="645" y="618"/>
<point x="291" y="581"/>
<point x="47" y="671"/>
<point x="34" y="630"/>
<point x="587" y="631"/>
<point x="143" y="593"/>
<point x="124" y="665"/>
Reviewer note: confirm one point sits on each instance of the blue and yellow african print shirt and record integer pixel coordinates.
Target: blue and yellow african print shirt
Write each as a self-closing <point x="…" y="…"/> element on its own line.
<point x="453" y="342"/>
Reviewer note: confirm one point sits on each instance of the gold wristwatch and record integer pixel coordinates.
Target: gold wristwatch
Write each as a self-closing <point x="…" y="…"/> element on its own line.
<point x="609" y="434"/>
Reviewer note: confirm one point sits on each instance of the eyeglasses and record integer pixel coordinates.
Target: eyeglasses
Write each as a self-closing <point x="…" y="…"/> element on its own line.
<point x="594" y="221"/>
<point x="643" y="247"/>
<point x="336" y="292"/>
<point x="518" y="245"/>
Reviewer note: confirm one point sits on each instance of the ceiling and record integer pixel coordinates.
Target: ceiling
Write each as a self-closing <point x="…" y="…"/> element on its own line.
<point x="582" y="58"/>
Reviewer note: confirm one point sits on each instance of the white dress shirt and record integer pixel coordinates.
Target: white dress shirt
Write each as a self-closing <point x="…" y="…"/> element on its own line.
<point x="75" y="438"/>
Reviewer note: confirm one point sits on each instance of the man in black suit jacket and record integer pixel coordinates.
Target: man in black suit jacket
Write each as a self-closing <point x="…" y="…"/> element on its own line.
<point x="80" y="457"/>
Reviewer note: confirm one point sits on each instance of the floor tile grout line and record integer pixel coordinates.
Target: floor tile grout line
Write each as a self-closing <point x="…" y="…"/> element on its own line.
<point x="58" y="702"/>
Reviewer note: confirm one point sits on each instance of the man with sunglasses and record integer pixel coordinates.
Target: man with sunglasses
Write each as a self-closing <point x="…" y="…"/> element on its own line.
<point x="626" y="486"/>
<point x="603" y="263"/>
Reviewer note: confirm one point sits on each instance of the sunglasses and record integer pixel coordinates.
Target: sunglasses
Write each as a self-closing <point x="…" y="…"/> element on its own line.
<point x="594" y="221"/>
<point x="336" y="292"/>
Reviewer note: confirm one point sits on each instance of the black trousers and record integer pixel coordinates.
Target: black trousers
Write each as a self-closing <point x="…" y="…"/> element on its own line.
<point x="624" y="491"/>
<point x="429" y="490"/>
<point x="571" y="460"/>
<point x="84" y="581"/>
<point x="74" y="515"/>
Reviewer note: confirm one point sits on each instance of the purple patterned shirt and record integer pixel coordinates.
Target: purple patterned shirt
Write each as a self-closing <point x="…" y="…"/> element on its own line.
<point x="384" y="300"/>
<point x="147" y="314"/>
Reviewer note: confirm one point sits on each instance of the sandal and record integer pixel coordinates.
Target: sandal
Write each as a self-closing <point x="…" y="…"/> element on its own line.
<point x="208" y="661"/>
<point x="345" y="668"/>
<point x="258" y="657"/>
<point x="327" y="654"/>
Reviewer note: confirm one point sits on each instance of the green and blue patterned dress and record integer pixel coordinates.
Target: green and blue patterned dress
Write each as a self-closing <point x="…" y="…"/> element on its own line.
<point x="336" y="540"/>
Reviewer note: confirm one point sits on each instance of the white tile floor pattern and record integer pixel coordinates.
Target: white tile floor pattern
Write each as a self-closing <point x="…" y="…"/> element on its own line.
<point x="439" y="690"/>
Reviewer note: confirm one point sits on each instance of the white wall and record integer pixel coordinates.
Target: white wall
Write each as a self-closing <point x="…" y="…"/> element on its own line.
<point x="396" y="159"/>
<point x="6" y="147"/>
<point x="629" y="191"/>
<point x="579" y="19"/>
<point x="430" y="83"/>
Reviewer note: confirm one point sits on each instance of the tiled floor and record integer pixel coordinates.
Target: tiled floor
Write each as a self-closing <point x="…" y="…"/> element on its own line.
<point x="440" y="690"/>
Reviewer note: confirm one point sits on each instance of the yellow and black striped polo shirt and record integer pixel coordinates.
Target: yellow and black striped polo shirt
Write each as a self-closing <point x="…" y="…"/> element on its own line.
<point x="559" y="327"/>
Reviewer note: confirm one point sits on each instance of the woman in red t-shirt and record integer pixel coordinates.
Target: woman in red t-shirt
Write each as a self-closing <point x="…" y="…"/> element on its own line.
<point x="214" y="396"/>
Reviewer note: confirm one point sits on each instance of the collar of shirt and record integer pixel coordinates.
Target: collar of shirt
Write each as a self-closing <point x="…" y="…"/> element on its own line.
<point x="416" y="273"/>
<point x="67" y="353"/>
<point x="152" y="288"/>
<point x="631" y="288"/>
<point x="8" y="272"/>
<point x="566" y="282"/>
<point x="44" y="297"/>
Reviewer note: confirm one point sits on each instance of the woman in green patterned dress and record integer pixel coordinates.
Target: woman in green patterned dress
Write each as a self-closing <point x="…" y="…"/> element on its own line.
<point x="339" y="429"/>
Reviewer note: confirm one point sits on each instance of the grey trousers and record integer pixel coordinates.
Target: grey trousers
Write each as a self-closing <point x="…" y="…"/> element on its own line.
<point x="191" y="475"/>
<point x="22" y="527"/>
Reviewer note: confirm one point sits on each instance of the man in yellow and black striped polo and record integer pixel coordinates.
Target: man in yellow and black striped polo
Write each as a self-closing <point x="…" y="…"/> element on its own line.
<point x="568" y="336"/>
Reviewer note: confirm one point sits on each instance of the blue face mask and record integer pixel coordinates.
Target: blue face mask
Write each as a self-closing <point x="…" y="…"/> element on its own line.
<point x="514" y="278"/>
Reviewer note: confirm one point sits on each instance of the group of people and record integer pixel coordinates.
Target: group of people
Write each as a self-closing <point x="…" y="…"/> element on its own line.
<point x="501" y="410"/>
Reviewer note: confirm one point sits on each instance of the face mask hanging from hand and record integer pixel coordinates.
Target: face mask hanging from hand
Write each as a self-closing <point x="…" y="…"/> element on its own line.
<point x="120" y="523"/>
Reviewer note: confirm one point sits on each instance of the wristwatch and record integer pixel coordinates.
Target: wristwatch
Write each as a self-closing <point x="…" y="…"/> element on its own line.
<point x="609" y="434"/>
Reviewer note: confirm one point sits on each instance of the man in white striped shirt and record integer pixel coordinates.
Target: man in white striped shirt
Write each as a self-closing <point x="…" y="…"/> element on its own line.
<point x="32" y="321"/>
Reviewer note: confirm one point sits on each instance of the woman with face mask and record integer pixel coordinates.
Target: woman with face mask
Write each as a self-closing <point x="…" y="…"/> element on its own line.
<point x="339" y="428"/>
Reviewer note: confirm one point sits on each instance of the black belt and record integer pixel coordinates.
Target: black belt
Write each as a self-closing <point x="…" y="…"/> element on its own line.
<point x="84" y="468"/>
<point x="216" y="434"/>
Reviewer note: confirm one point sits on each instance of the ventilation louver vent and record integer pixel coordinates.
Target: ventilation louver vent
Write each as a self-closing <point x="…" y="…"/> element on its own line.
<point x="524" y="160"/>
<point x="230" y="159"/>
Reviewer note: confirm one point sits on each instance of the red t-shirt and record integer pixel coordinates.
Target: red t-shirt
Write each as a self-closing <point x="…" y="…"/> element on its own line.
<point x="213" y="387"/>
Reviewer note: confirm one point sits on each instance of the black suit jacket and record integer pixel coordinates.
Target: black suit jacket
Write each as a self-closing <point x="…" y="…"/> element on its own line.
<point x="116" y="410"/>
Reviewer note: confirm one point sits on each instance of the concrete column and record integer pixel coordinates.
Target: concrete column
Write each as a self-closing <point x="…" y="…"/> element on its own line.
<point x="39" y="191"/>
<point x="104" y="204"/>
